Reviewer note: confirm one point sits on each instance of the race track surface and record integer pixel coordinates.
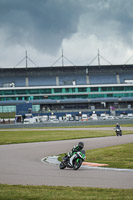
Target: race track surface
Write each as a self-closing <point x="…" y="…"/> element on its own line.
<point x="21" y="164"/>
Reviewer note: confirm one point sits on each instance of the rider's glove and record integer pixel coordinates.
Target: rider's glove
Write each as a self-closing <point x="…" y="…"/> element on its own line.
<point x="69" y="154"/>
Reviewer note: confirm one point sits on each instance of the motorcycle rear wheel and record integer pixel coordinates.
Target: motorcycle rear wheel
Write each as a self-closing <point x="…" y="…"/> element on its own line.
<point x="77" y="164"/>
<point x="62" y="165"/>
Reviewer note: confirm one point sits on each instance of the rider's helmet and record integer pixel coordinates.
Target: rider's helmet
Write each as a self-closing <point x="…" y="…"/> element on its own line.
<point x="81" y="145"/>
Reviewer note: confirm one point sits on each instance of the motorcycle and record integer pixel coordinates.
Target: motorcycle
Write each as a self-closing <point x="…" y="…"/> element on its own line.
<point x="118" y="132"/>
<point x="74" y="162"/>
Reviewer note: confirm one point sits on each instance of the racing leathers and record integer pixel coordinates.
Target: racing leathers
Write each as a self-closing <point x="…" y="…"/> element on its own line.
<point x="76" y="148"/>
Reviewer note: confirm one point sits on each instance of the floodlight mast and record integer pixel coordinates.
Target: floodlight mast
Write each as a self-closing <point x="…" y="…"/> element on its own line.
<point x="62" y="59"/>
<point x="26" y="62"/>
<point x="26" y="58"/>
<point x="98" y="58"/>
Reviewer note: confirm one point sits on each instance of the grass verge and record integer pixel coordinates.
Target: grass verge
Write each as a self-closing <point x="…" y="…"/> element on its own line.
<point x="12" y="137"/>
<point x="20" y="192"/>
<point x="119" y="156"/>
<point x="116" y="156"/>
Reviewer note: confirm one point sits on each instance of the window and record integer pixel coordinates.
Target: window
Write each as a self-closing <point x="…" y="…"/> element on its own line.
<point x="21" y="91"/>
<point x="8" y="92"/>
<point x="67" y="90"/>
<point x="118" y="88"/>
<point x="33" y="91"/>
<point x="38" y="97"/>
<point x="128" y="88"/>
<point x="82" y="89"/>
<point x="57" y="90"/>
<point x="109" y="95"/>
<point x="45" y="91"/>
<point x="104" y="89"/>
<point x="7" y="109"/>
<point x="73" y="89"/>
<point x="94" y="89"/>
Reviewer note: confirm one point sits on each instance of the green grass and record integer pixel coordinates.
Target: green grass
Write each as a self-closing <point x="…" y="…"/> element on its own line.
<point x="120" y="156"/>
<point x="12" y="137"/>
<point x="12" y="192"/>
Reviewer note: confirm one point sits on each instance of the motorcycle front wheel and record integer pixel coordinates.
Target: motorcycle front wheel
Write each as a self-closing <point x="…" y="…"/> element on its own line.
<point x="62" y="165"/>
<point x="77" y="164"/>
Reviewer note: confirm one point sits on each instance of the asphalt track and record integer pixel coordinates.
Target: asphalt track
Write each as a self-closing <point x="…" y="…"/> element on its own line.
<point x="21" y="164"/>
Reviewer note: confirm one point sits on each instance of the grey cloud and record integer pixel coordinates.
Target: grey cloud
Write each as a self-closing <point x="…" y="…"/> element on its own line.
<point x="43" y="24"/>
<point x="40" y="23"/>
<point x="110" y="18"/>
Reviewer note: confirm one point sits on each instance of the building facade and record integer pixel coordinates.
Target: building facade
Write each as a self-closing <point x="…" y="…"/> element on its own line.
<point x="67" y="88"/>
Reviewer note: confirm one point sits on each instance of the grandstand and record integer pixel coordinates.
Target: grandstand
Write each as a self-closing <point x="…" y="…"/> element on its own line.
<point x="67" y="88"/>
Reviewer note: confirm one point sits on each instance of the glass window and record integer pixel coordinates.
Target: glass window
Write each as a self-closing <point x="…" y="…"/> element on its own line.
<point x="73" y="90"/>
<point x="34" y="91"/>
<point x="121" y="88"/>
<point x="38" y="97"/>
<point x="109" y="95"/>
<point x="45" y="91"/>
<point x="35" y="108"/>
<point x="128" y="88"/>
<point x="104" y="89"/>
<point x="67" y="90"/>
<point x="8" y="92"/>
<point x="94" y="89"/>
<point x="55" y="97"/>
<point x="97" y="95"/>
<point x="57" y="90"/>
<point x="21" y="92"/>
<point x="82" y="89"/>
<point x="70" y="90"/>
<point x="4" y="109"/>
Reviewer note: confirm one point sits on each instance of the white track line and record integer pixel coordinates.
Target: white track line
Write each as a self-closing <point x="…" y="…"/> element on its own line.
<point x="54" y="160"/>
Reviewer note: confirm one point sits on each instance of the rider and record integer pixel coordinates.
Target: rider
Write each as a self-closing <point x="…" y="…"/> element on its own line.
<point x="76" y="148"/>
<point x="118" y="127"/>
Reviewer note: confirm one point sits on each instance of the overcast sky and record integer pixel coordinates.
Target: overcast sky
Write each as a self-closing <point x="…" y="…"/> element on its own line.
<point x="79" y="27"/>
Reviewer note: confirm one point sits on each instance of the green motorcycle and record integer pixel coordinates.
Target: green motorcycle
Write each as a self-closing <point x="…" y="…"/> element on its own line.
<point x="74" y="162"/>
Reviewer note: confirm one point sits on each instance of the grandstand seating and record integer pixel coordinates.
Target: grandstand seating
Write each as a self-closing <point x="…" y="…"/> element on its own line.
<point x="42" y="80"/>
<point x="102" y="79"/>
<point x="61" y="77"/>
<point x="72" y="79"/>
<point x="88" y="87"/>
<point x="125" y="76"/>
<point x="18" y="81"/>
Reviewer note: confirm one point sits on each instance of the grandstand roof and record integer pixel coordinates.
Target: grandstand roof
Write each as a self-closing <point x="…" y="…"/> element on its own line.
<point x="92" y="68"/>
